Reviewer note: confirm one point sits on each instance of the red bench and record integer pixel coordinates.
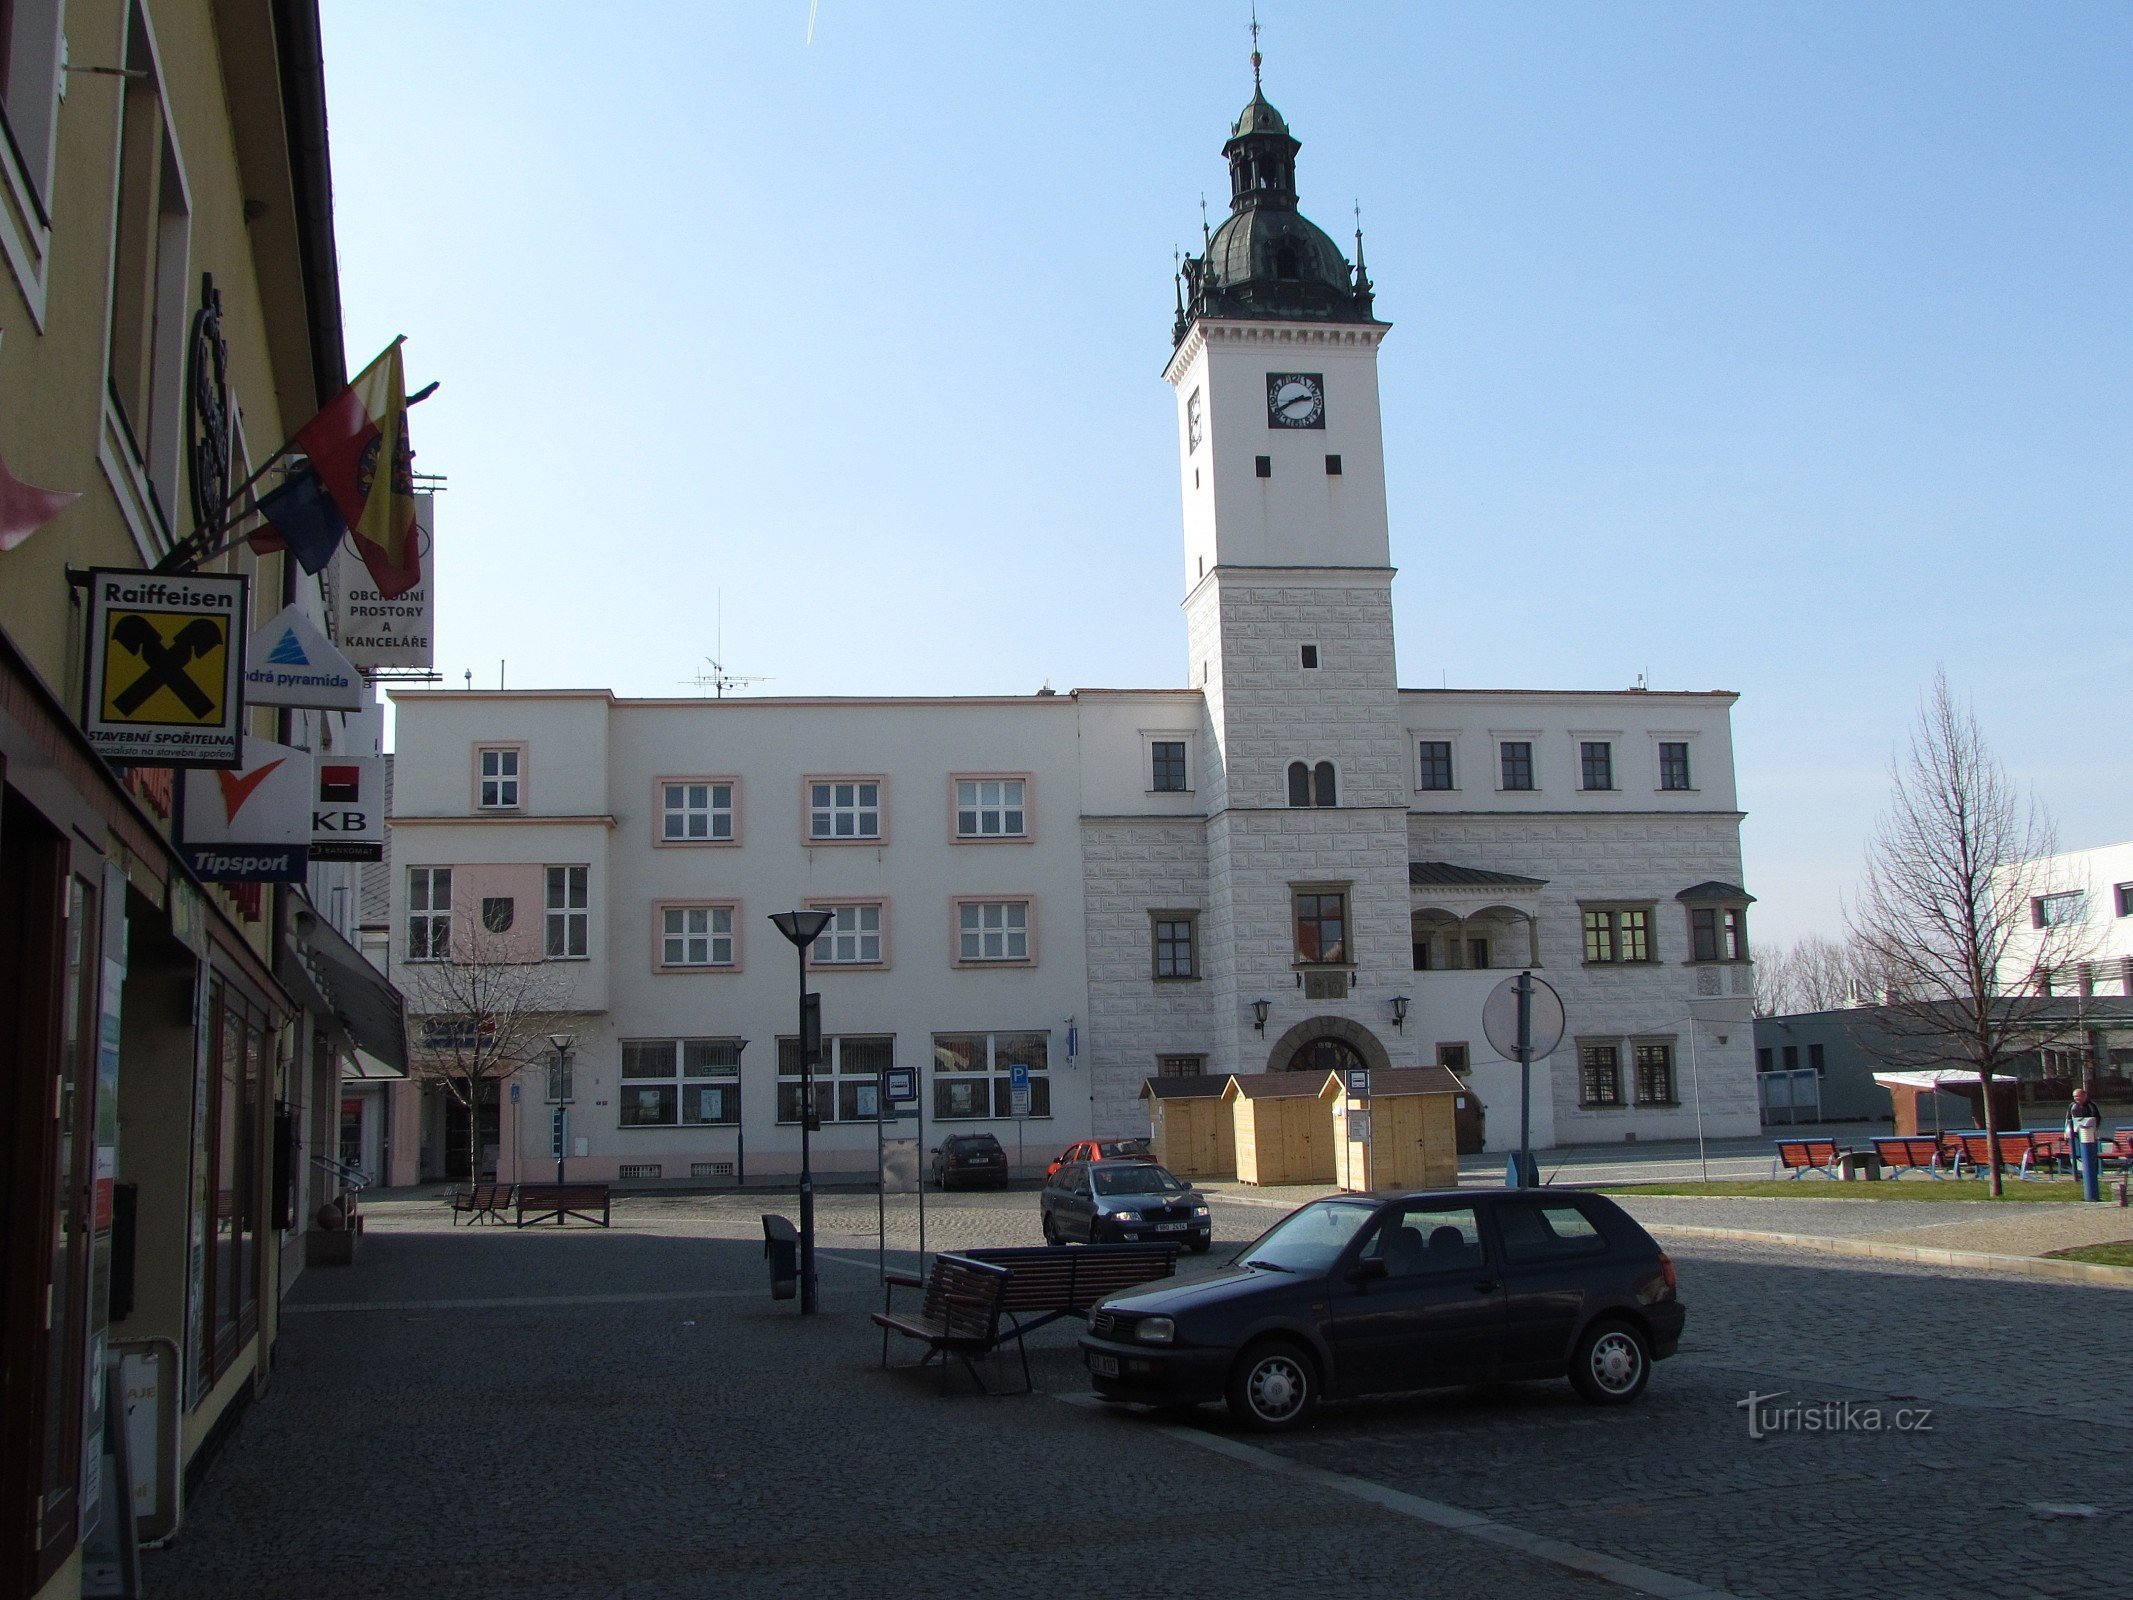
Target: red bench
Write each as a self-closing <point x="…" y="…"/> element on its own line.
<point x="1802" y="1156"/>
<point x="2018" y="1149"/>
<point x="1910" y="1153"/>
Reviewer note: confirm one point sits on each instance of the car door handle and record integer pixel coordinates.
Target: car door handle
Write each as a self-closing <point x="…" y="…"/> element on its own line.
<point x="1486" y="1286"/>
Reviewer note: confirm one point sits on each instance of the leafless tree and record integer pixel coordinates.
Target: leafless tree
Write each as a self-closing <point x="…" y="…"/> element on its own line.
<point x="1953" y="872"/>
<point x="1816" y="973"/>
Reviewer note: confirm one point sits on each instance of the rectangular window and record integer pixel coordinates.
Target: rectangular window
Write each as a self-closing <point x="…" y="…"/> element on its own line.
<point x="1718" y="933"/>
<point x="429" y="913"/>
<point x="1321" y="927"/>
<point x="1655" y="1075"/>
<point x="499" y="779"/>
<point x="1763" y="1062"/>
<point x="560" y="1075"/>
<point x="1600" y="1075"/>
<point x="150" y="306"/>
<point x="696" y="813"/>
<point x="1733" y="933"/>
<point x="1180" y="1066"/>
<point x="2123" y="893"/>
<point x="1333" y="466"/>
<point x="1596" y="764"/>
<point x="685" y="1083"/>
<point x="1792" y="1058"/>
<point x="1436" y="756"/>
<point x="1674" y="764"/>
<point x="1815" y="1060"/>
<point x="847" y="1081"/>
<point x="569" y="919"/>
<point x="696" y="936"/>
<point x="852" y="939"/>
<point x="844" y="809"/>
<point x="1454" y="1056"/>
<point x="1617" y="934"/>
<point x="989" y="808"/>
<point x="992" y="930"/>
<point x="1263" y="466"/>
<point x="1173" y="946"/>
<point x="1167" y="763"/>
<point x="2057" y="910"/>
<point x="1517" y="756"/>
<point x="973" y="1074"/>
<point x="1703" y="934"/>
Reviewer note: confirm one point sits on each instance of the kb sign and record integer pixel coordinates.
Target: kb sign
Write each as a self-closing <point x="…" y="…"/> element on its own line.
<point x="348" y="810"/>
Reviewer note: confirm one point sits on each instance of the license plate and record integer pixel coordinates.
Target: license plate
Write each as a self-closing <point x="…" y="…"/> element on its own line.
<point x="1103" y="1366"/>
<point x="1170" y="1227"/>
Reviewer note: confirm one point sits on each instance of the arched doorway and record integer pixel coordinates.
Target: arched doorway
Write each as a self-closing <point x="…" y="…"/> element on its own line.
<point x="1327" y="1054"/>
<point x="1323" y="1044"/>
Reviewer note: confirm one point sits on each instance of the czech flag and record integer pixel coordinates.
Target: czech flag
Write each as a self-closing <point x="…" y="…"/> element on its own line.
<point x="358" y="447"/>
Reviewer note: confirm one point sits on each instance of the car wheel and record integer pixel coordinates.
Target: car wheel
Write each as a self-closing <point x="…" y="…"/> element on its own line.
<point x="1051" y="1233"/>
<point x="1273" y="1387"/>
<point x="1611" y="1364"/>
<point x="1200" y="1247"/>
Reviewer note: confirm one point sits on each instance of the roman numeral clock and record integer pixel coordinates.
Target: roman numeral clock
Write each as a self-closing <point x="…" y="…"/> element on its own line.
<point x="1295" y="400"/>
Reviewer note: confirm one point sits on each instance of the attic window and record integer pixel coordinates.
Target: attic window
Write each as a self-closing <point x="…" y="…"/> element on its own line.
<point x="1286" y="266"/>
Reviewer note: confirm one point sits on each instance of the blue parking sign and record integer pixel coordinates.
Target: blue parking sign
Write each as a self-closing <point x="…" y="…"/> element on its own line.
<point x="1018" y="1076"/>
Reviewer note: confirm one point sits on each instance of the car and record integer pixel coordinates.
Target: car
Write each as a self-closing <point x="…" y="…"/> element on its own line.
<point x="1101" y="1150"/>
<point x="963" y="1159"/>
<point x="1358" y="1295"/>
<point x="1123" y="1202"/>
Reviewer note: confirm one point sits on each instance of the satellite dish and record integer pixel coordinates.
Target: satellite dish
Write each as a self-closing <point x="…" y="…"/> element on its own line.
<point x="1499" y="1018"/>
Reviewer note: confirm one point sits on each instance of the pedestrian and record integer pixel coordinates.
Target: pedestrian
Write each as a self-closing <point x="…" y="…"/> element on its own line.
<point x="2084" y="1126"/>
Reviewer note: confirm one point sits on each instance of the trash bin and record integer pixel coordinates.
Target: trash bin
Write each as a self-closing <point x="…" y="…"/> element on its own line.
<point x="781" y="1248"/>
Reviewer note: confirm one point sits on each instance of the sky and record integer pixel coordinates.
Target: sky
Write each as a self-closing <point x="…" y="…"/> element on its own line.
<point x="1779" y="348"/>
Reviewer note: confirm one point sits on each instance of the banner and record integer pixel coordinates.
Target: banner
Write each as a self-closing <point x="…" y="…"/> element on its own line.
<point x="348" y="809"/>
<point x="165" y="668"/>
<point x="373" y="631"/>
<point x="291" y="662"/>
<point x="251" y="825"/>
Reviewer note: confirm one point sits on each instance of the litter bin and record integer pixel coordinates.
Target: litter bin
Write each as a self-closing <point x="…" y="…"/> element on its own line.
<point x="781" y="1248"/>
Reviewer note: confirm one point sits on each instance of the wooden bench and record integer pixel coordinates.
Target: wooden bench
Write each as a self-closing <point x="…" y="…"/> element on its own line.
<point x="481" y="1202"/>
<point x="959" y="1318"/>
<point x="1802" y="1156"/>
<point x="553" y="1202"/>
<point x="2018" y="1149"/>
<point x="2051" y="1150"/>
<point x="1906" y="1153"/>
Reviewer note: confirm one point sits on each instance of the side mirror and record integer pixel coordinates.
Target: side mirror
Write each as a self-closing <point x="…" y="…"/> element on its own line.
<point x="1371" y="1269"/>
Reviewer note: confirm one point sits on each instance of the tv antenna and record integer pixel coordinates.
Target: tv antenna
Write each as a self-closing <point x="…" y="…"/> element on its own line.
<point x="718" y="680"/>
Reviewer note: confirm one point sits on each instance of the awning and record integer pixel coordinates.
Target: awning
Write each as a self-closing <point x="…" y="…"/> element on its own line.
<point x="1945" y="1078"/>
<point x="358" y="996"/>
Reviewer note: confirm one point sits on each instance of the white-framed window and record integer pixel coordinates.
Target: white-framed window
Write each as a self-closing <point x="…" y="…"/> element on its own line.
<point x="1617" y="935"/>
<point x="991" y="808"/>
<point x="847" y="1079"/>
<point x="974" y="1073"/>
<point x="1718" y="933"/>
<point x="1175" y="936"/>
<point x="1169" y="763"/>
<point x="853" y="937"/>
<point x="686" y="1083"/>
<point x="1596" y="764"/>
<point x="1674" y="771"/>
<point x="498" y="766"/>
<point x="560" y="1063"/>
<point x="429" y="913"/>
<point x="2058" y="910"/>
<point x="992" y="931"/>
<point x="696" y="936"/>
<point x="843" y="810"/>
<point x="30" y="52"/>
<point x="696" y="811"/>
<point x="1433" y="764"/>
<point x="569" y="913"/>
<point x="1654" y="1061"/>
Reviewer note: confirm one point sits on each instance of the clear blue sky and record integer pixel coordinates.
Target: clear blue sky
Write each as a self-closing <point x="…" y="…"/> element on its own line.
<point x="1782" y="348"/>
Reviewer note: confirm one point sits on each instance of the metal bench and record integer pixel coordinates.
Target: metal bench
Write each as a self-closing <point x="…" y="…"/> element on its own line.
<point x="959" y="1318"/>
<point x="481" y="1202"/>
<point x="1802" y="1156"/>
<point x="554" y="1202"/>
<point x="1909" y="1153"/>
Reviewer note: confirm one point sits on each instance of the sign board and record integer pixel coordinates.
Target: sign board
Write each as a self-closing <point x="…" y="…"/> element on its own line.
<point x="1499" y="1018"/>
<point x="165" y="668"/>
<point x="899" y="1088"/>
<point x="148" y="1374"/>
<point x="251" y="824"/>
<point x="1359" y="1126"/>
<point x="1359" y="1083"/>
<point x="711" y="1103"/>
<point x="899" y="1166"/>
<point x="291" y="662"/>
<point x="1018" y="1076"/>
<point x="375" y="632"/>
<point x="1018" y="1101"/>
<point x="556" y="1133"/>
<point x="514" y="1094"/>
<point x="348" y="809"/>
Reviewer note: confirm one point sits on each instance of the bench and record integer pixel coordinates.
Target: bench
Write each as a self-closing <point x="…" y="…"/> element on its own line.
<point x="2054" y="1151"/>
<point x="481" y="1202"/>
<point x="959" y="1318"/>
<point x="545" y="1202"/>
<point x="2018" y="1148"/>
<point x="1802" y="1156"/>
<point x="1908" y="1154"/>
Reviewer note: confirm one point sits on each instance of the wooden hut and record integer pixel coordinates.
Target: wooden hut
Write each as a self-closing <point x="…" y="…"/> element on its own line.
<point x="1284" y="1131"/>
<point x="1190" y="1125"/>
<point x="1919" y="1105"/>
<point x="1405" y="1136"/>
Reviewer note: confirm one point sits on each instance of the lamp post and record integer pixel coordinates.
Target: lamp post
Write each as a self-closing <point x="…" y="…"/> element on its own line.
<point x="562" y="1043"/>
<point x="803" y="928"/>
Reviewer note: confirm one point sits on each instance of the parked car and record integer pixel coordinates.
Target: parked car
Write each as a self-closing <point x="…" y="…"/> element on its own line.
<point x="1355" y="1295"/>
<point x="1101" y="1150"/>
<point x="1123" y="1202"/>
<point x="964" y="1159"/>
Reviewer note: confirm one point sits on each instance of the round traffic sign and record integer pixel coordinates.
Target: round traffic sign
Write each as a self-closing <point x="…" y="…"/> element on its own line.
<point x="1499" y="1018"/>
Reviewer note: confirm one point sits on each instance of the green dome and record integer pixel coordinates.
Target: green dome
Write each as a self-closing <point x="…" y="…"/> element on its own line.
<point x="1259" y="117"/>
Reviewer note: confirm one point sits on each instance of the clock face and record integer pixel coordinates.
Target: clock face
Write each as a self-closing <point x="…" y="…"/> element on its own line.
<point x="1193" y="424"/>
<point x="1295" y="400"/>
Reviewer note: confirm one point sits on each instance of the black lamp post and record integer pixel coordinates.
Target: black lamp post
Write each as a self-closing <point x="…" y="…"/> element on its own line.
<point x="803" y="928"/>
<point x="563" y="1043"/>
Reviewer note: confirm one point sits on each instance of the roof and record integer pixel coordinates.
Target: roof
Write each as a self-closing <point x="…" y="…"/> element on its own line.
<point x="1277" y="1085"/>
<point x="1258" y="116"/>
<point x="1715" y="890"/>
<point x="1389" y="1081"/>
<point x="1192" y="1086"/>
<point x="1444" y="875"/>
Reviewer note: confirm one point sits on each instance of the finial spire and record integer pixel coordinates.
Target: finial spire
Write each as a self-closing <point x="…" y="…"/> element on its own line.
<point x="1255" y="46"/>
<point x="1207" y="238"/>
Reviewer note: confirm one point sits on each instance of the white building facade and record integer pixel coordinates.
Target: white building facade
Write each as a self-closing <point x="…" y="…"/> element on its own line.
<point x="2080" y="924"/>
<point x="1290" y="862"/>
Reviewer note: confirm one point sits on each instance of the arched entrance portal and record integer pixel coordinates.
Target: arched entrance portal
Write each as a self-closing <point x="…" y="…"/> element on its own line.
<point x="1322" y="1055"/>
<point x="1327" y="1044"/>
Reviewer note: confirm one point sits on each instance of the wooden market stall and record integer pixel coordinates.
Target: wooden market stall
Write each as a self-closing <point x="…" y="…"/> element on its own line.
<point x="1923" y="1100"/>
<point x="1284" y="1132"/>
<point x="1405" y="1136"/>
<point x="1190" y="1125"/>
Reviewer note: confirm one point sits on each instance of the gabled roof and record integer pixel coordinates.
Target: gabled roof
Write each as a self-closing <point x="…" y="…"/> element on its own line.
<point x="1194" y="1086"/>
<point x="1385" y="1081"/>
<point x="1278" y="1085"/>
<point x="1443" y="875"/>
<point x="1732" y="893"/>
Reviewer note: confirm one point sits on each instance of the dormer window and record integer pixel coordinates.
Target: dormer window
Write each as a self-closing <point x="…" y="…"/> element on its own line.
<point x="1286" y="265"/>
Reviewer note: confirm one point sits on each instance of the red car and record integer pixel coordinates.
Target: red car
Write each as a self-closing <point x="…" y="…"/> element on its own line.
<point x="1102" y="1150"/>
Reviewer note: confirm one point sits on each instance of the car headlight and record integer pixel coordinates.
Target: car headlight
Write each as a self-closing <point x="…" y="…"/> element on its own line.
<point x="1155" y="1330"/>
<point x="1200" y="1211"/>
<point x="1121" y="1214"/>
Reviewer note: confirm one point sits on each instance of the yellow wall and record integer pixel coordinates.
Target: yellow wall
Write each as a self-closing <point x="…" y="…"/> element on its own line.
<point x="1413" y="1145"/>
<point x="1287" y="1140"/>
<point x="1196" y="1138"/>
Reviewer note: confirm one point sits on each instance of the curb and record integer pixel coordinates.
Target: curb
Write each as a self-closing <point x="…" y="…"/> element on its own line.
<point x="2089" y="1272"/>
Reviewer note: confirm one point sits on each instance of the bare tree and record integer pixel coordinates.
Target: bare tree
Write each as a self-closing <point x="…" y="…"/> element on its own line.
<point x="1953" y="872"/>
<point x="1816" y="973"/>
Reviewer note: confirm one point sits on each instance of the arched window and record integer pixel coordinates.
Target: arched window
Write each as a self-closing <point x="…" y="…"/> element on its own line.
<point x="1311" y="786"/>
<point x="1288" y="266"/>
<point x="1299" y="784"/>
<point x="1322" y="785"/>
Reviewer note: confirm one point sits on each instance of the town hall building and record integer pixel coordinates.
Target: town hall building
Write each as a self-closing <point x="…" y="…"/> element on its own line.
<point x="1288" y="862"/>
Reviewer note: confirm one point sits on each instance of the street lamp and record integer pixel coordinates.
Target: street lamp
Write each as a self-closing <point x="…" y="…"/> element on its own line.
<point x="803" y="928"/>
<point x="562" y="1043"/>
<point x="1259" y="1010"/>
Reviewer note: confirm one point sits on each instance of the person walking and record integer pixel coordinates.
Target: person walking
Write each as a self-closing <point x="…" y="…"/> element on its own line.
<point x="2084" y="1131"/>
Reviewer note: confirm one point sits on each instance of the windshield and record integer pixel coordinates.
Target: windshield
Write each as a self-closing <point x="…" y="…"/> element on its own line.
<point x="1134" y="1180"/>
<point x="1308" y="1240"/>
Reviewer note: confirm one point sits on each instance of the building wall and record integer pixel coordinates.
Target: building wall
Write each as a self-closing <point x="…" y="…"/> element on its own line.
<point x="2098" y="943"/>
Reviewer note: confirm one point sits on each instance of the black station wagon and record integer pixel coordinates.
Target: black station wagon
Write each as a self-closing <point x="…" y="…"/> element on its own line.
<point x="1359" y="1295"/>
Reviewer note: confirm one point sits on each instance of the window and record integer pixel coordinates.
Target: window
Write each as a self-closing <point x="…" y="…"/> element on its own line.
<point x="2123" y="894"/>
<point x="1816" y="1060"/>
<point x="1617" y="934"/>
<point x="847" y="1079"/>
<point x="1321" y="926"/>
<point x="1477" y="955"/>
<point x="499" y="778"/>
<point x="1166" y="759"/>
<point x="1311" y="785"/>
<point x="1596" y="764"/>
<point x="990" y="808"/>
<point x="1718" y="933"/>
<point x="238" y="1077"/>
<point x="1174" y="945"/>
<point x="1674" y="764"/>
<point x="569" y="920"/>
<point x="1436" y="764"/>
<point x="1655" y="1075"/>
<point x="1763" y="1062"/>
<point x="1308" y="655"/>
<point x="1546" y="1231"/>
<point x="1426" y="1237"/>
<point x="852" y="939"/>
<point x="1454" y="1056"/>
<point x="1263" y="465"/>
<point x="1333" y="466"/>
<point x="688" y="1083"/>
<point x="973" y="1074"/>
<point x="2057" y="910"/>
<point x="1180" y="1066"/>
<point x="844" y="809"/>
<point x="1792" y="1058"/>
<point x="696" y="813"/>
<point x="1517" y="759"/>
<point x="1599" y="1075"/>
<point x="29" y="93"/>
<point x="559" y="1065"/>
<point x="696" y="936"/>
<point x="429" y="913"/>
<point x="498" y="912"/>
<point x="992" y="930"/>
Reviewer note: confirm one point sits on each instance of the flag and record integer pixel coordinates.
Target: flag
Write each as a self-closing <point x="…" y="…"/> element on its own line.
<point x="24" y="508"/>
<point x="302" y="518"/>
<point x="358" y="447"/>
